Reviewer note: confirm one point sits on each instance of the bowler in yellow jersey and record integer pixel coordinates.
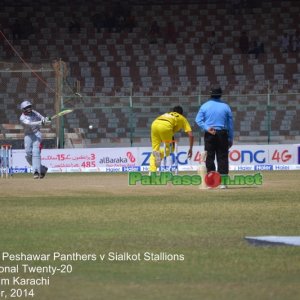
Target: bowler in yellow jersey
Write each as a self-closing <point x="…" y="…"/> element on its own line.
<point x="163" y="129"/>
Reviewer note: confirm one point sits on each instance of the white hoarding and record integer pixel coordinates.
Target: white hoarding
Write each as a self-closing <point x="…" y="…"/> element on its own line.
<point x="241" y="157"/>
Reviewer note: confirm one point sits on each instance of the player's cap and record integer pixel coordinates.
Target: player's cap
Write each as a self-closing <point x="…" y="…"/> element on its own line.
<point x="216" y="91"/>
<point x="25" y="104"/>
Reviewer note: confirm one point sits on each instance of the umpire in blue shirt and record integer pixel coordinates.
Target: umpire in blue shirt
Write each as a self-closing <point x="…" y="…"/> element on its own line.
<point x="215" y="119"/>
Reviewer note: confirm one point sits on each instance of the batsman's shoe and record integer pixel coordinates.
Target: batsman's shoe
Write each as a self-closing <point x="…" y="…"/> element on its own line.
<point x="44" y="171"/>
<point x="36" y="175"/>
<point x="156" y="154"/>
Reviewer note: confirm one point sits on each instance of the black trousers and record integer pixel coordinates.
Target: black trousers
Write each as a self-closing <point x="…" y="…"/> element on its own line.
<point x="217" y="147"/>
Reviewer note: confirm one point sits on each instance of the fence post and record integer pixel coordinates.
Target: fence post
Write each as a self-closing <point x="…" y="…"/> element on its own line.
<point x="131" y="114"/>
<point x="199" y="104"/>
<point x="269" y="113"/>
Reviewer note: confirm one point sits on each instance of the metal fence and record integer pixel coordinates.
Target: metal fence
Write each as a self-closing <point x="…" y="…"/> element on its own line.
<point x="263" y="111"/>
<point x="258" y="118"/>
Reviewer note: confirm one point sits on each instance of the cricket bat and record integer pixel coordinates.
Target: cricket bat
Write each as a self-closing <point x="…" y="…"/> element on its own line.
<point x="61" y="113"/>
<point x="202" y="171"/>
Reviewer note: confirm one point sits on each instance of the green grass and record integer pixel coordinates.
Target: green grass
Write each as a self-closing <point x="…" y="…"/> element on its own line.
<point x="207" y="227"/>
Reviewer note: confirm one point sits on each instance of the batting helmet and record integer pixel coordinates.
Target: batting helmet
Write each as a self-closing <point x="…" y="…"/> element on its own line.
<point x="25" y="104"/>
<point x="26" y="107"/>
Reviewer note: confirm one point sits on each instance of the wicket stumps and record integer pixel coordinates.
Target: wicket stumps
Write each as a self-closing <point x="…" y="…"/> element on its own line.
<point x="6" y="163"/>
<point x="172" y="157"/>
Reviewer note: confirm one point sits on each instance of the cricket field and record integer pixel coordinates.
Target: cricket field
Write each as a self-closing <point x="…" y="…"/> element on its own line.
<point x="93" y="236"/>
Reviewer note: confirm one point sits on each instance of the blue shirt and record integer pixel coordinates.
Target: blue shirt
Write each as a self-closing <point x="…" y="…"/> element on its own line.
<point x="215" y="114"/>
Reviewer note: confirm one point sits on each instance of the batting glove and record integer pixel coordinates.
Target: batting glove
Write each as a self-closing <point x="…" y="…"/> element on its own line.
<point x="46" y="121"/>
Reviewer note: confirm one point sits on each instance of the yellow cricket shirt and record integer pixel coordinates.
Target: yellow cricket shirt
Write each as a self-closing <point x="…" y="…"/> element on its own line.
<point x="177" y="121"/>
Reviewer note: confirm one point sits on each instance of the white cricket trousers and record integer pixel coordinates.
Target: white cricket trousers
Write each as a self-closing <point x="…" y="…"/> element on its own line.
<point x="33" y="151"/>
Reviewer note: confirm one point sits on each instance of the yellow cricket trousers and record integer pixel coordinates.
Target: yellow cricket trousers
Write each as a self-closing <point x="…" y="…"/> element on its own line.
<point x="160" y="131"/>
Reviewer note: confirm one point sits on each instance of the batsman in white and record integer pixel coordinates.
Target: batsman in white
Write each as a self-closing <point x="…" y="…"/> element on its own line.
<point x="32" y="122"/>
